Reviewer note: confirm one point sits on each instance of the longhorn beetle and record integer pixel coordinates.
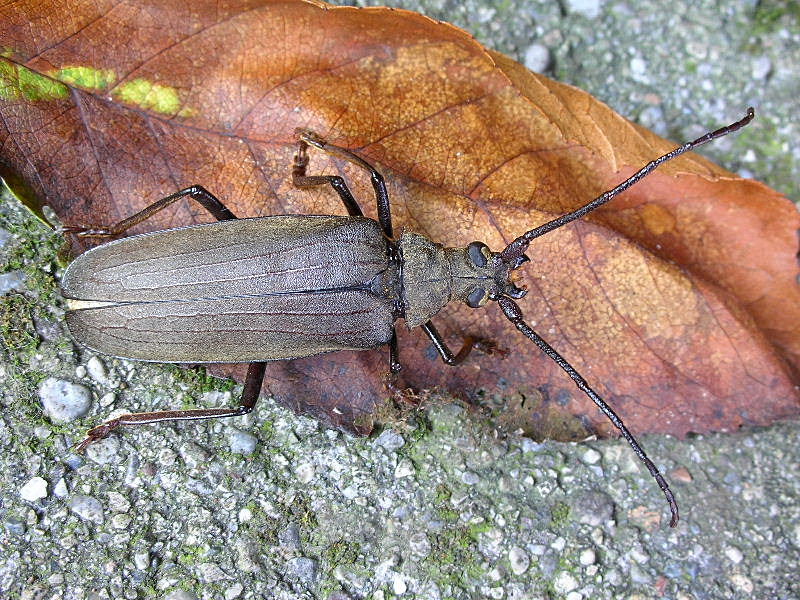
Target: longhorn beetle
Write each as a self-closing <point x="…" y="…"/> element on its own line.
<point x="283" y="287"/>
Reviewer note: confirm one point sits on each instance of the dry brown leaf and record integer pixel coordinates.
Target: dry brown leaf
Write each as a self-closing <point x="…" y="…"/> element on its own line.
<point x="678" y="301"/>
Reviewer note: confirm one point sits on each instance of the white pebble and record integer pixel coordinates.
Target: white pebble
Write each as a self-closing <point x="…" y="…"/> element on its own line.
<point x="537" y="57"/>
<point x="591" y="456"/>
<point x="305" y="472"/>
<point x="519" y="560"/>
<point x="399" y="585"/>
<point x="96" y="369"/>
<point x="564" y="582"/>
<point x="241" y="442"/>
<point x="64" y="401"/>
<point x="588" y="557"/>
<point x="588" y="8"/>
<point x="404" y="469"/>
<point x="34" y="490"/>
<point x="734" y="554"/>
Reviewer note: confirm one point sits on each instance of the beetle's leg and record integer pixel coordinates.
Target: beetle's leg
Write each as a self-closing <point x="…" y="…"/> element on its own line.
<point x="470" y="342"/>
<point x="301" y="180"/>
<point x="252" y="388"/>
<point x="378" y="184"/>
<point x="394" y="354"/>
<point x="195" y="192"/>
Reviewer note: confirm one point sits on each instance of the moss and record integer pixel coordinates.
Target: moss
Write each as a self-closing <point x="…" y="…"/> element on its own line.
<point x="770" y="15"/>
<point x="559" y="514"/>
<point x="454" y="557"/>
<point x="342" y="552"/>
<point x="192" y="554"/>
<point x="18" y="334"/>
<point x="199" y="380"/>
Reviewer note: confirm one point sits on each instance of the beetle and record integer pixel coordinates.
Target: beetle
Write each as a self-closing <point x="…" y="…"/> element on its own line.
<point x="281" y="287"/>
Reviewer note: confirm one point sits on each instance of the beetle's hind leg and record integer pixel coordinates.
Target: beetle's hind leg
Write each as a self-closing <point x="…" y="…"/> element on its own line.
<point x="470" y="342"/>
<point x="252" y="388"/>
<point x="196" y="192"/>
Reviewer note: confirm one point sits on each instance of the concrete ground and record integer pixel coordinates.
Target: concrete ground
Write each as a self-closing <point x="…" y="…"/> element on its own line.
<point x="274" y="506"/>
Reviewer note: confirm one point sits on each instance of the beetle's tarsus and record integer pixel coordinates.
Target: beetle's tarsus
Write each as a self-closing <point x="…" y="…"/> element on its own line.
<point x="490" y="347"/>
<point x="95" y="434"/>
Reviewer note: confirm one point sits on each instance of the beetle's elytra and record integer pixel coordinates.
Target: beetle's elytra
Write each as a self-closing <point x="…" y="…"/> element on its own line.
<point x="283" y="287"/>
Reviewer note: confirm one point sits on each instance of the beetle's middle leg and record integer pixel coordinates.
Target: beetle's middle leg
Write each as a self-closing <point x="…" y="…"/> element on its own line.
<point x="252" y="388"/>
<point x="196" y="192"/>
<point x="470" y="342"/>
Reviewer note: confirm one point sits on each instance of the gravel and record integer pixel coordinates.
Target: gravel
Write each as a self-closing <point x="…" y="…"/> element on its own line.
<point x="442" y="506"/>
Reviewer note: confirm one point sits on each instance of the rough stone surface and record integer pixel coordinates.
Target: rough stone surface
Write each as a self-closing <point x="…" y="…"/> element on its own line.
<point x="172" y="512"/>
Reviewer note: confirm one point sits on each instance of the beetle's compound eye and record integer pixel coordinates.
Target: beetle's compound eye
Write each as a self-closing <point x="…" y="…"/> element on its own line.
<point x="479" y="253"/>
<point x="477" y="298"/>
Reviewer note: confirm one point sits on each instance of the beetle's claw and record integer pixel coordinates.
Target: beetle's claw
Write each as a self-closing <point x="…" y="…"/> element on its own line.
<point x="490" y="347"/>
<point x="96" y="434"/>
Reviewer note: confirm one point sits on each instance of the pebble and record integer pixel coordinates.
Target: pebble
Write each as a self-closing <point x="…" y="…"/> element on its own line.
<point x="390" y="439"/>
<point x="420" y="544"/>
<point x="64" y="401"/>
<point x="762" y="67"/>
<point x="734" y="554"/>
<point x="742" y="582"/>
<point x="470" y="478"/>
<point x="289" y="537"/>
<point x="180" y="595"/>
<point x="210" y="572"/>
<point x="591" y="456"/>
<point x="681" y="474"/>
<point x="537" y="58"/>
<point x="305" y="472"/>
<point x="60" y="488"/>
<point x="97" y="370"/>
<point x="404" y="469"/>
<point x="588" y="8"/>
<point x="234" y="591"/>
<point x="104" y="451"/>
<point x="87" y="508"/>
<point x="5" y="235"/>
<point x="302" y="569"/>
<point x="593" y="508"/>
<point x="399" y="585"/>
<point x="14" y="527"/>
<point x="13" y="281"/>
<point x="241" y="442"/>
<point x="588" y="557"/>
<point x="35" y="489"/>
<point x="519" y="560"/>
<point x="564" y="582"/>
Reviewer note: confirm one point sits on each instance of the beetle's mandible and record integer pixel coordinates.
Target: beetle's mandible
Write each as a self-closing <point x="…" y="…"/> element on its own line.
<point x="283" y="287"/>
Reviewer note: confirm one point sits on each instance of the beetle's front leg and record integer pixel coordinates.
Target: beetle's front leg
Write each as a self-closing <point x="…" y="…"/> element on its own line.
<point x="252" y="389"/>
<point x="480" y="344"/>
<point x="196" y="192"/>
<point x="378" y="184"/>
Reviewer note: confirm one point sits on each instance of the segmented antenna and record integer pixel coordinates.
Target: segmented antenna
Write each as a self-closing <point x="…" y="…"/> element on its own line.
<point x="518" y="246"/>
<point x="515" y="250"/>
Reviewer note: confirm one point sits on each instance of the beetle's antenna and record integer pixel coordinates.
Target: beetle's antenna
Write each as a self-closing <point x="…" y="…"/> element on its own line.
<point x="514" y="314"/>
<point x="517" y="248"/>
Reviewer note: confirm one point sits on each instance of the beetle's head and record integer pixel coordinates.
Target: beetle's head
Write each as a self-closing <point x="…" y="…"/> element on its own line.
<point x="480" y="275"/>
